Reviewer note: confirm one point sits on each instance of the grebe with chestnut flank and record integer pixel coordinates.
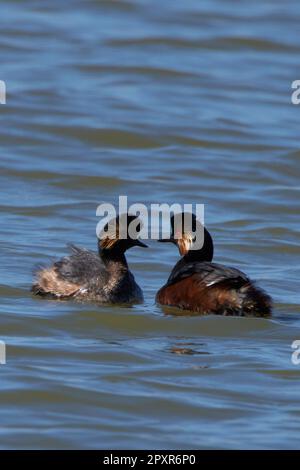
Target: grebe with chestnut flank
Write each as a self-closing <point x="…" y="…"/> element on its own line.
<point x="197" y="284"/>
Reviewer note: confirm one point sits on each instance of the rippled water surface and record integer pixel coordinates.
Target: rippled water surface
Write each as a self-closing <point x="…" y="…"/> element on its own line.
<point x="186" y="102"/>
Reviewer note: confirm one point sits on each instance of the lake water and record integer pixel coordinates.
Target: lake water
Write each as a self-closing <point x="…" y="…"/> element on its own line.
<point x="186" y="102"/>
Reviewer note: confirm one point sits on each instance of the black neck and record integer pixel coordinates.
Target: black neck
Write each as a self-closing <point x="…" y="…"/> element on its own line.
<point x="206" y="253"/>
<point x="113" y="258"/>
<point x="197" y="255"/>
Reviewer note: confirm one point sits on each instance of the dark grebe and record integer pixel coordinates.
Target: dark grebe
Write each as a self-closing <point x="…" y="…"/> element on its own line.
<point x="198" y="285"/>
<point x="84" y="274"/>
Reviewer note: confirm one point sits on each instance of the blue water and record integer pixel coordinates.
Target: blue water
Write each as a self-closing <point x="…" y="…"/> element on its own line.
<point x="165" y="102"/>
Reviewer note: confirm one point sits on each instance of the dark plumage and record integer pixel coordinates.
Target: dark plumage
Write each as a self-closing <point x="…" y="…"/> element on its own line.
<point x="103" y="277"/>
<point x="197" y="284"/>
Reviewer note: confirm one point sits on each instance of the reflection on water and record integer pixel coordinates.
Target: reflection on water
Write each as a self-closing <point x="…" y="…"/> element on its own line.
<point x="187" y="103"/>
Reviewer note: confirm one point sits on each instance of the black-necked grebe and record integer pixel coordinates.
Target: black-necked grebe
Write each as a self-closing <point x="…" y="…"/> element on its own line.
<point x="85" y="275"/>
<point x="196" y="284"/>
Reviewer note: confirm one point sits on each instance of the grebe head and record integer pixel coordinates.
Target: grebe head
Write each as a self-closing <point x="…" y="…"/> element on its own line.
<point x="184" y="226"/>
<point x="121" y="234"/>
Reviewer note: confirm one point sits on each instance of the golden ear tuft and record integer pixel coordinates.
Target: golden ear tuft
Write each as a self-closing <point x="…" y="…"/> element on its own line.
<point x="108" y="243"/>
<point x="112" y="232"/>
<point x="185" y="243"/>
